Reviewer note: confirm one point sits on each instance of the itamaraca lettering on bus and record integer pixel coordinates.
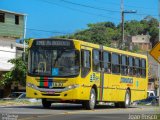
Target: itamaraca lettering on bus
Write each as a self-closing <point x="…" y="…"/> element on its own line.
<point x="126" y="80"/>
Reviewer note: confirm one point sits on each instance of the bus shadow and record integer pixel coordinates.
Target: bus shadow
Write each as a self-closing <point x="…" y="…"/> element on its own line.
<point x="68" y="107"/>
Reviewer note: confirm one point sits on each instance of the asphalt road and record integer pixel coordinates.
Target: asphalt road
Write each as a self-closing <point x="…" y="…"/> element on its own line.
<point x="76" y="112"/>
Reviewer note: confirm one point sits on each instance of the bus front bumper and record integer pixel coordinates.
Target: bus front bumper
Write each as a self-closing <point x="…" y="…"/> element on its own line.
<point x="72" y="92"/>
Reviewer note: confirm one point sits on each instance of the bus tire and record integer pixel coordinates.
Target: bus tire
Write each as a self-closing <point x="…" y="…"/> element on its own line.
<point x="127" y="100"/>
<point x="117" y="105"/>
<point x="90" y="104"/>
<point x="46" y="104"/>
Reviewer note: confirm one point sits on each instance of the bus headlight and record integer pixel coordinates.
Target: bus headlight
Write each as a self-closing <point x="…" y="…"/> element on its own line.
<point x="30" y="85"/>
<point x="72" y="86"/>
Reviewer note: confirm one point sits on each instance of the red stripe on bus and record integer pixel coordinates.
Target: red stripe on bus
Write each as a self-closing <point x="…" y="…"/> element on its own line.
<point x="45" y="81"/>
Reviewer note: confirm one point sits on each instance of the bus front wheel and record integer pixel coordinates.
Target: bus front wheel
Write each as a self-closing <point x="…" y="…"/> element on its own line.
<point x="46" y="104"/>
<point x="90" y="104"/>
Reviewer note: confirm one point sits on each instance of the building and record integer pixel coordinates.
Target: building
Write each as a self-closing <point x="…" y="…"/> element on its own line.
<point x="11" y="28"/>
<point x="19" y="49"/>
<point x="152" y="73"/>
<point x="140" y="41"/>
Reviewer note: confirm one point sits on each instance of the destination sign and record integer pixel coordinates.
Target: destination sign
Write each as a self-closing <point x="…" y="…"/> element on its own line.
<point x="53" y="42"/>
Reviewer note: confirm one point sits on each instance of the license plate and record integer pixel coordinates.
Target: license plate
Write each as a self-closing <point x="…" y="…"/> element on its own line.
<point x="50" y="92"/>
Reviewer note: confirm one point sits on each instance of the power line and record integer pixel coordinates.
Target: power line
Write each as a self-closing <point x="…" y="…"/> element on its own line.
<point x="85" y="12"/>
<point x="131" y="6"/>
<point x="98" y="8"/>
<point x="48" y="31"/>
<point x="126" y="5"/>
<point x="92" y="7"/>
<point x="87" y="6"/>
<point x="144" y="14"/>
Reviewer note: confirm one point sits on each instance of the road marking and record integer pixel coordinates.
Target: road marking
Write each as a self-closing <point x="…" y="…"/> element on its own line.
<point x="40" y="116"/>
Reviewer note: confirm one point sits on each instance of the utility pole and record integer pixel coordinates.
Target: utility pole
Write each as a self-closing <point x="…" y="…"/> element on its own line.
<point x="122" y="23"/>
<point x="24" y="34"/>
<point x="122" y="43"/>
<point x="159" y="41"/>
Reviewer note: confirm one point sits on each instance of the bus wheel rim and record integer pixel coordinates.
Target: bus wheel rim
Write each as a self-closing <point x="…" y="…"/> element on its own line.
<point x="127" y="99"/>
<point x="92" y="99"/>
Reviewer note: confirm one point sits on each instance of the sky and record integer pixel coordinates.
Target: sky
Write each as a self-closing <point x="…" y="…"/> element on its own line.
<point x="46" y="18"/>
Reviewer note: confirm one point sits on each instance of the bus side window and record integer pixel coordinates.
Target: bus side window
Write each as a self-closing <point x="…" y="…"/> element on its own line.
<point x="107" y="62"/>
<point x="124" y="64"/>
<point x="96" y="60"/>
<point x="131" y="65"/>
<point x="137" y="67"/>
<point x="115" y="63"/>
<point x="85" y="62"/>
<point x="143" y="68"/>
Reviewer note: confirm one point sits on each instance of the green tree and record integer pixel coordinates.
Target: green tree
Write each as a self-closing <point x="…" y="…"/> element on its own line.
<point x="100" y="33"/>
<point x="133" y="28"/>
<point x="150" y="25"/>
<point x="18" y="72"/>
<point x="106" y="32"/>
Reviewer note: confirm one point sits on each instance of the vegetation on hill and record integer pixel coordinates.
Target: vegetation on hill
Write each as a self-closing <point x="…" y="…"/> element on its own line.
<point x="107" y="32"/>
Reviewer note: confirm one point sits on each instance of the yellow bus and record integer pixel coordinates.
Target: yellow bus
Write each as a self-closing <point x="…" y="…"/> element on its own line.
<point x="68" y="70"/>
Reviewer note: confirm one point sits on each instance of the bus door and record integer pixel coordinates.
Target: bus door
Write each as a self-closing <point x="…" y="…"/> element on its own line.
<point x="98" y="74"/>
<point x="86" y="71"/>
<point x="106" y="68"/>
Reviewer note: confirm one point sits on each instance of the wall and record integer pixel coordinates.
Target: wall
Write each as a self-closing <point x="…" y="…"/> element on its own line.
<point x="7" y="52"/>
<point x="9" y="28"/>
<point x="141" y="39"/>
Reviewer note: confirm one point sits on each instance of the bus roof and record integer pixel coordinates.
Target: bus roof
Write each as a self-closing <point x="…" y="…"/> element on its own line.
<point x="104" y="47"/>
<point x="112" y="49"/>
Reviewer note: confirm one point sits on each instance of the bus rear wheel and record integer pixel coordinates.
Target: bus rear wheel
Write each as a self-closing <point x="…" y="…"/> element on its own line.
<point x="46" y="104"/>
<point x="90" y="104"/>
<point x="127" y="101"/>
<point x="117" y="105"/>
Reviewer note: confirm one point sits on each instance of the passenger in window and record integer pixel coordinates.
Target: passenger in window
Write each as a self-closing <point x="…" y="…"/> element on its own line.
<point x="108" y="70"/>
<point x="125" y="71"/>
<point x="129" y="71"/>
<point x="34" y="70"/>
<point x="138" y="73"/>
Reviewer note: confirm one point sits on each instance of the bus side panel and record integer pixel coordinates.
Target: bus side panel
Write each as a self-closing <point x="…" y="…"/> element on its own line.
<point x="139" y="91"/>
<point x="107" y="91"/>
<point x="114" y="83"/>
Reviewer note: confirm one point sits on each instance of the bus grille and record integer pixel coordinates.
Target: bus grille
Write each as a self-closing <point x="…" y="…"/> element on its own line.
<point x="51" y="94"/>
<point x="51" y="88"/>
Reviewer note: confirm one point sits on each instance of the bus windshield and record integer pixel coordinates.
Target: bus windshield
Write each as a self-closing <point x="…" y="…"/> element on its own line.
<point x="52" y="62"/>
